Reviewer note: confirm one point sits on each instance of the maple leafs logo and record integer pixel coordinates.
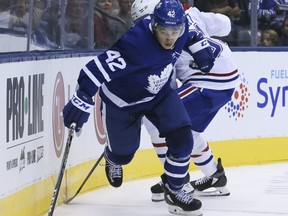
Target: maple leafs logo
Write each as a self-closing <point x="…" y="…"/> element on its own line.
<point x="157" y="82"/>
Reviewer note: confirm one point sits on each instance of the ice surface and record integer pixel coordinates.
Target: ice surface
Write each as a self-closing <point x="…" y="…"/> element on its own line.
<point x="255" y="190"/>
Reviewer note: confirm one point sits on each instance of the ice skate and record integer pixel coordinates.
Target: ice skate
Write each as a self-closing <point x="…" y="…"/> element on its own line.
<point x="114" y="173"/>
<point x="158" y="191"/>
<point x="179" y="202"/>
<point x="214" y="185"/>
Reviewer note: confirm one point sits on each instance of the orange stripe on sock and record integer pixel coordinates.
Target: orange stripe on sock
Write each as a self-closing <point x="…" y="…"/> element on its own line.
<point x="198" y="155"/>
<point x="157" y="145"/>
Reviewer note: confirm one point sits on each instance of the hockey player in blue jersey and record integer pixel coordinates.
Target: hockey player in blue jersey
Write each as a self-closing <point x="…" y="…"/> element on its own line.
<point x="133" y="78"/>
<point x="202" y="94"/>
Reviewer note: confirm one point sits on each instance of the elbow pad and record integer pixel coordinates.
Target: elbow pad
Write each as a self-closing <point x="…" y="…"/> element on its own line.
<point x="203" y="55"/>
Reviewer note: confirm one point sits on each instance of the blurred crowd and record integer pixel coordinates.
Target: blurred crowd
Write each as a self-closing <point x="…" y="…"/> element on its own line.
<point x="73" y="25"/>
<point x="271" y="17"/>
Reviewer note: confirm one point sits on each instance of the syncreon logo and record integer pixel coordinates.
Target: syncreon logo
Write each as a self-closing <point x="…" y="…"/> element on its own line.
<point x="239" y="102"/>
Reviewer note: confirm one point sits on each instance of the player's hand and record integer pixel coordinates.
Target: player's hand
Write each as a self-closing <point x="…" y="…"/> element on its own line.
<point x="204" y="59"/>
<point x="78" y="110"/>
<point x="202" y="53"/>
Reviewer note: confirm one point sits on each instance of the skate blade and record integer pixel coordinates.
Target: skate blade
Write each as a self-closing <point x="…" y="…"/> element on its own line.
<point x="159" y="197"/>
<point x="210" y="192"/>
<point x="178" y="211"/>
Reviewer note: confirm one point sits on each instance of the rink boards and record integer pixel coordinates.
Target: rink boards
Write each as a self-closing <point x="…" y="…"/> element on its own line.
<point x="251" y="129"/>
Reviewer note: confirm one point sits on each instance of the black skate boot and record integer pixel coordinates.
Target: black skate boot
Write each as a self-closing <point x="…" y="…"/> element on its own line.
<point x="158" y="192"/>
<point x="179" y="202"/>
<point x="114" y="173"/>
<point x="214" y="185"/>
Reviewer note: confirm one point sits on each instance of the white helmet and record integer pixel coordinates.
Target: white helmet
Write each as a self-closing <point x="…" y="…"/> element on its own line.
<point x="141" y="8"/>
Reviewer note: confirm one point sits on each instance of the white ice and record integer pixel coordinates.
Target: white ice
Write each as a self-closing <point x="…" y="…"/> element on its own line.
<point x="260" y="190"/>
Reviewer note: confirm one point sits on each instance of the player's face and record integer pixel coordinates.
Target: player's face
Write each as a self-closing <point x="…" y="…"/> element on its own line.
<point x="167" y="36"/>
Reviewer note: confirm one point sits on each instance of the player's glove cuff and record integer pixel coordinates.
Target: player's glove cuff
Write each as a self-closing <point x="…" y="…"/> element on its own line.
<point x="203" y="55"/>
<point x="77" y="110"/>
<point x="82" y="101"/>
<point x="202" y="44"/>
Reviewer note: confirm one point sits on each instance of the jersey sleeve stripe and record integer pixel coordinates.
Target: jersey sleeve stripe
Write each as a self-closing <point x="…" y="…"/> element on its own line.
<point x="210" y="79"/>
<point x="103" y="71"/>
<point x="200" y="74"/>
<point x="91" y="76"/>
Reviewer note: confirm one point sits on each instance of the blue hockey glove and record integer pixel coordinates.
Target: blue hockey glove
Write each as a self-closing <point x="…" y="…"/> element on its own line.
<point x="77" y="110"/>
<point x="202" y="53"/>
<point x="204" y="58"/>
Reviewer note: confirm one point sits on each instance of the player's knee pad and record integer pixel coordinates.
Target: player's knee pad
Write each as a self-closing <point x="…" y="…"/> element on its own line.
<point x="180" y="142"/>
<point x="118" y="159"/>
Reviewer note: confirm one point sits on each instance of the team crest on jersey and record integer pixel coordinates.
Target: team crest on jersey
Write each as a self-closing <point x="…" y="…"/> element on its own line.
<point x="157" y="82"/>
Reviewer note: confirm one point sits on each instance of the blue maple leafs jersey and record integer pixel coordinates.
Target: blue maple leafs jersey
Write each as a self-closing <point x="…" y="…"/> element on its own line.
<point x="135" y="72"/>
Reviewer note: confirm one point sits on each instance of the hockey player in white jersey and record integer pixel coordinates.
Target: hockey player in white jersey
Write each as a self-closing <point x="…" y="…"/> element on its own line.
<point x="202" y="94"/>
<point x="133" y="78"/>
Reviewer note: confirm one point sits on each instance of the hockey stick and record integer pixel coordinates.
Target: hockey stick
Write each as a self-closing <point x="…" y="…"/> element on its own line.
<point x="62" y="169"/>
<point x="85" y="180"/>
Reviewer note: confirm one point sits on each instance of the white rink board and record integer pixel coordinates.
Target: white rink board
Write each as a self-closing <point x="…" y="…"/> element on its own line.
<point x="265" y="76"/>
<point x="31" y="156"/>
